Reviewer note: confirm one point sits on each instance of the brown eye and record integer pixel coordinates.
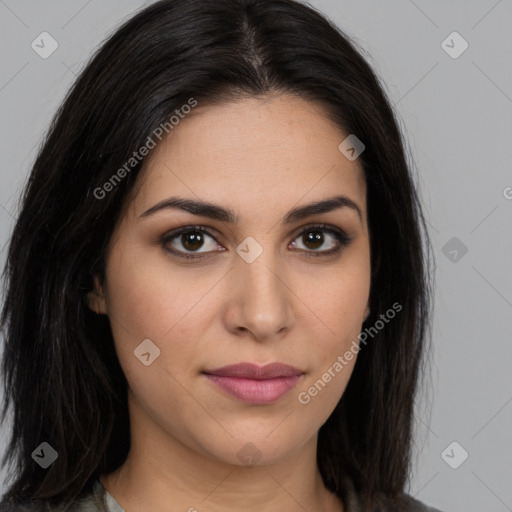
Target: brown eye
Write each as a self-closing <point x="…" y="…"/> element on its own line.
<point x="192" y="240"/>
<point x="186" y="241"/>
<point x="314" y="237"/>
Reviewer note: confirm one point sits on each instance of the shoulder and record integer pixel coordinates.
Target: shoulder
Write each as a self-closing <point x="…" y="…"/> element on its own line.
<point x="22" y="506"/>
<point x="403" y="503"/>
<point x="410" y="504"/>
<point x="382" y="503"/>
<point x="85" y="505"/>
<point x="91" y="502"/>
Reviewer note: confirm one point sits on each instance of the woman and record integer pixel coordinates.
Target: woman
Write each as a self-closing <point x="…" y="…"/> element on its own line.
<point x="217" y="295"/>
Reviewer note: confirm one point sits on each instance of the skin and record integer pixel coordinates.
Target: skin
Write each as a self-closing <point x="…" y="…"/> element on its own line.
<point x="261" y="158"/>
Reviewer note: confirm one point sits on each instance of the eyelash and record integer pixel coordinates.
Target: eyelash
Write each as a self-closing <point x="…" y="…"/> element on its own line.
<point x="342" y="238"/>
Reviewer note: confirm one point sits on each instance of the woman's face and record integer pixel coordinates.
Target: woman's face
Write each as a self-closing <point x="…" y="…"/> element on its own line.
<point x="262" y="289"/>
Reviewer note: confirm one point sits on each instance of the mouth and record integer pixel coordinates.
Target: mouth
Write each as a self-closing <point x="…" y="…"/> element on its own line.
<point x="253" y="384"/>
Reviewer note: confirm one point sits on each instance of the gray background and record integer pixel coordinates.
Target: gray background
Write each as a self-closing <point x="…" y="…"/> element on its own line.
<point x="456" y="114"/>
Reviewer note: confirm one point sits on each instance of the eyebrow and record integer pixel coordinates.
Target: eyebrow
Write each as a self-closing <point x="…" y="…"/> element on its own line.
<point x="216" y="212"/>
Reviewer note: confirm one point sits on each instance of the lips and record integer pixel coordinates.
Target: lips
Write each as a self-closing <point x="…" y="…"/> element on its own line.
<point x="252" y="371"/>
<point x="254" y="384"/>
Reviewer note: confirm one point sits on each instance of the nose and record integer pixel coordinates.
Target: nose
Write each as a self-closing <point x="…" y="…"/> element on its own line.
<point x="260" y="301"/>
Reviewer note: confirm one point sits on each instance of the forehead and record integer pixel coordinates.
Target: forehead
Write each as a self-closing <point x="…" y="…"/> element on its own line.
<point x="251" y="152"/>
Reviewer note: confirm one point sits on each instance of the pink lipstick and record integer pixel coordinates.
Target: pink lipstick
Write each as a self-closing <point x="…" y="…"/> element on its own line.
<point x="254" y="384"/>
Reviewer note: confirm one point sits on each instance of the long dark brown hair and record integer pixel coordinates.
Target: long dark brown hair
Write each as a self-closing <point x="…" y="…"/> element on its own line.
<point x="61" y="375"/>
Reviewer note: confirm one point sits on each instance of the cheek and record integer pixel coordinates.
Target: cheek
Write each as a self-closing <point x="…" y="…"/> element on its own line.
<point x="333" y="360"/>
<point x="322" y="390"/>
<point x="144" y="296"/>
<point x="142" y="307"/>
<point x="134" y="302"/>
<point x="148" y="299"/>
<point x="338" y="301"/>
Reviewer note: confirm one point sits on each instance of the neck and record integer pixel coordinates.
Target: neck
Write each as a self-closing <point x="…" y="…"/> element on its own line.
<point x="160" y="471"/>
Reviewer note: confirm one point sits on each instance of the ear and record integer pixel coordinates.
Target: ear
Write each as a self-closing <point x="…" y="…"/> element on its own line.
<point x="96" y="299"/>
